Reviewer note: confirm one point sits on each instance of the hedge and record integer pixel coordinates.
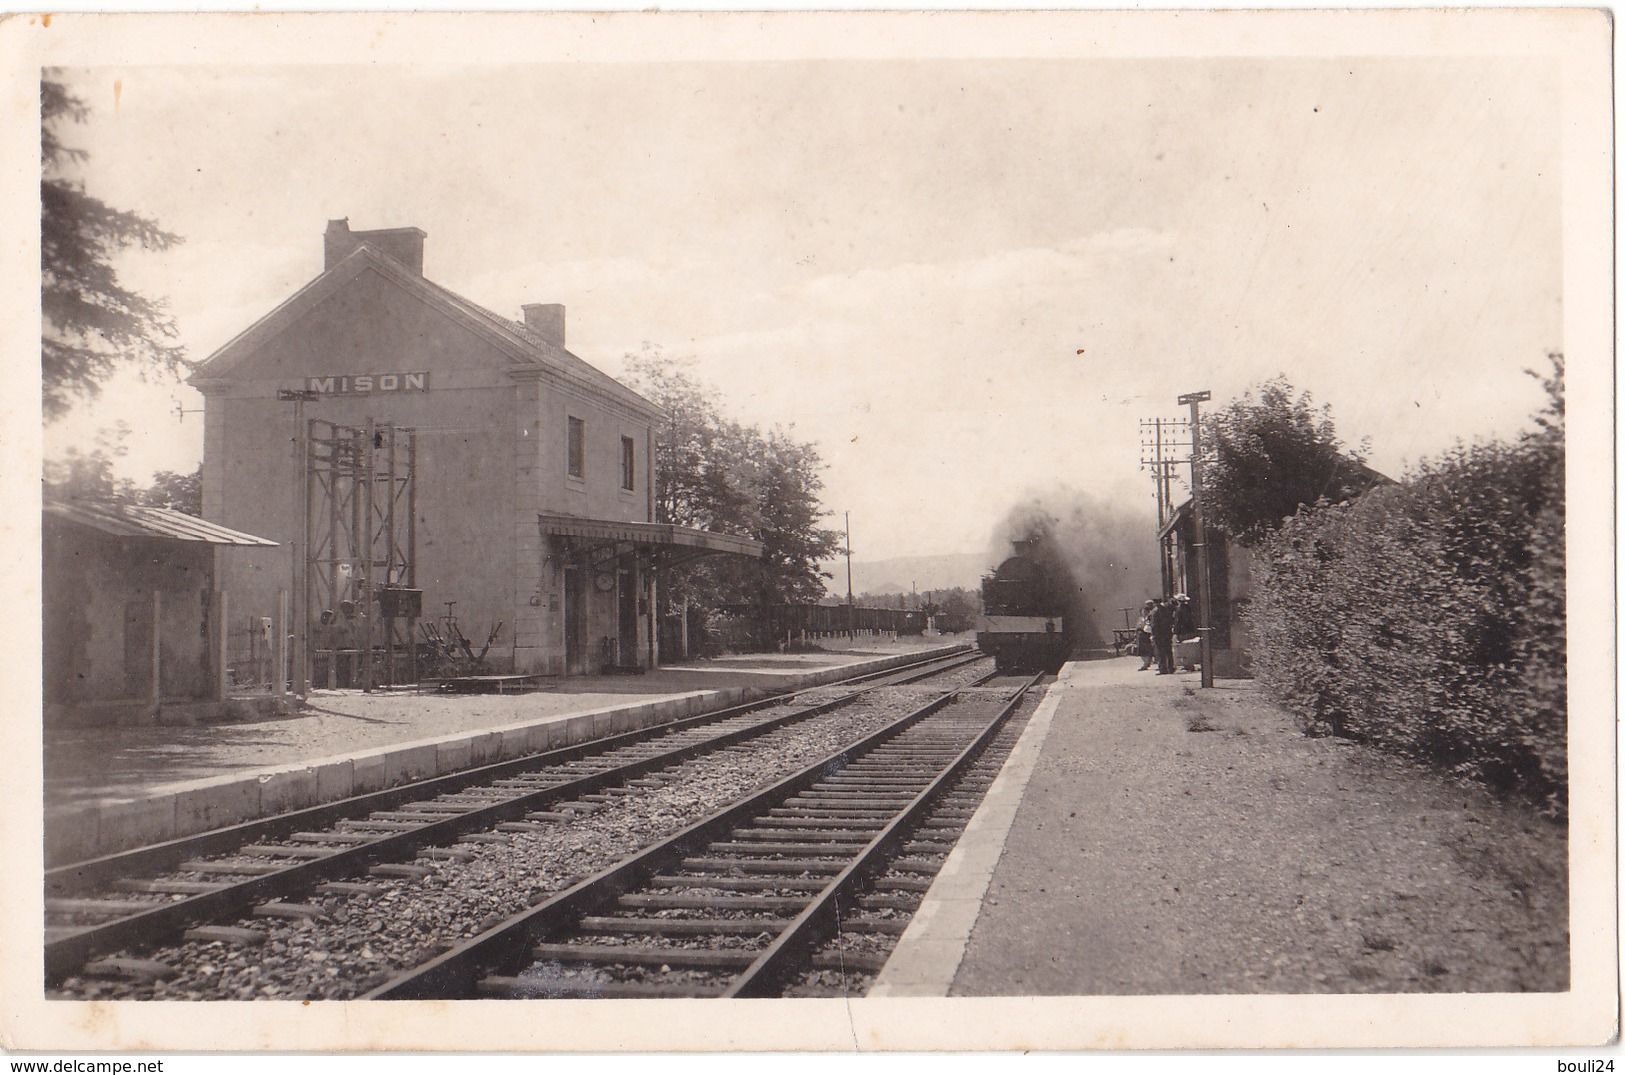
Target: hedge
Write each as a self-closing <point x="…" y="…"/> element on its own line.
<point x="1428" y="618"/>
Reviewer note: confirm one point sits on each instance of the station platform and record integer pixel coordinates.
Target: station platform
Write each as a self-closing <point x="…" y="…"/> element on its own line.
<point x="107" y="789"/>
<point x="1148" y="837"/>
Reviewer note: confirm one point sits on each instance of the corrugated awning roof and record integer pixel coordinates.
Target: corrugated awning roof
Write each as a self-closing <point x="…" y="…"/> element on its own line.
<point x="666" y="535"/>
<point x="129" y="520"/>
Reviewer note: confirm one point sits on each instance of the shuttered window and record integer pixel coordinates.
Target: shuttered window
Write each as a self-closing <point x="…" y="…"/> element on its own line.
<point x="628" y="464"/>
<point x="575" y="448"/>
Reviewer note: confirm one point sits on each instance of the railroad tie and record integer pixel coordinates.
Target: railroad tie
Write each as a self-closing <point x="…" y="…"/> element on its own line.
<point x="767" y="865"/>
<point x="686" y="902"/>
<point x="874" y="924"/>
<point x="638" y="955"/>
<point x="762" y="847"/>
<point x="228" y="866"/>
<point x="808" y="836"/>
<point x="347" y="838"/>
<point x="72" y="905"/>
<point x="279" y="909"/>
<point x="553" y="989"/>
<point x="282" y="851"/>
<point x="348" y="888"/>
<point x="399" y="869"/>
<point x="890" y="903"/>
<point x="915" y="865"/>
<point x="179" y="888"/>
<point x="225" y="935"/>
<point x="447" y="854"/>
<point x="852" y="962"/>
<point x="797" y="884"/>
<point x="739" y="927"/>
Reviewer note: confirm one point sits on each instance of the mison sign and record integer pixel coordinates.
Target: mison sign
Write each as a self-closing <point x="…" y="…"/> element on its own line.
<point x="357" y="384"/>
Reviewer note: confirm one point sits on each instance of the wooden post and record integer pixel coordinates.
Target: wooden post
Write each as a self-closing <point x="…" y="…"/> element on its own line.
<point x="157" y="645"/>
<point x="1204" y="588"/>
<point x="222" y="620"/>
<point x="363" y="535"/>
<point x="654" y="616"/>
<point x="280" y="688"/>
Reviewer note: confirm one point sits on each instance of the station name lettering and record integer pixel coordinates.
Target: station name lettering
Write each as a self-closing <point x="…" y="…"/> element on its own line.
<point x="351" y="384"/>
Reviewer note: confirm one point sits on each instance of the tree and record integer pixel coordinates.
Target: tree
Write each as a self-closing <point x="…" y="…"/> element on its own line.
<point x="719" y="475"/>
<point x="88" y="475"/>
<point x="178" y="492"/>
<point x="93" y="325"/>
<point x="1267" y="454"/>
<point x="693" y="452"/>
<point x="958" y="609"/>
<point x="782" y="475"/>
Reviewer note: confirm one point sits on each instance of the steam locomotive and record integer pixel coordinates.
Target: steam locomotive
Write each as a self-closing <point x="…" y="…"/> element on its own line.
<point x="1025" y="626"/>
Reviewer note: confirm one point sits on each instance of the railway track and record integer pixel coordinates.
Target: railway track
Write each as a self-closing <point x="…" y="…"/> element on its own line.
<point x="184" y="888"/>
<point x="766" y="895"/>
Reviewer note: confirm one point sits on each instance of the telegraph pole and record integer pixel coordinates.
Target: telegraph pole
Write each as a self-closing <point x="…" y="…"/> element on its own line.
<point x="301" y="542"/>
<point x="851" y="616"/>
<point x="1195" y="399"/>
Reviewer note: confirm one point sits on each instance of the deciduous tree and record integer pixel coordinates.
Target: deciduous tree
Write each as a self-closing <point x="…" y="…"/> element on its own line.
<point x="720" y="475"/>
<point x="1271" y="452"/>
<point x="93" y="325"/>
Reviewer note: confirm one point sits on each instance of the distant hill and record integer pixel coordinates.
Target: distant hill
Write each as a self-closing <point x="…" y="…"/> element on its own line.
<point x="904" y="573"/>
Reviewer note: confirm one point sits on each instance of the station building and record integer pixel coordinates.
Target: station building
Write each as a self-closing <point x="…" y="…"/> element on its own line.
<point x="419" y="458"/>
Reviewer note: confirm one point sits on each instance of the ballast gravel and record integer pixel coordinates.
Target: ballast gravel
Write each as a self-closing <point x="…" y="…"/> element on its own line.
<point x="361" y="941"/>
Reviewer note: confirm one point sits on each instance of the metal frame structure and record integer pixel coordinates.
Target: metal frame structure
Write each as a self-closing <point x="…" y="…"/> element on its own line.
<point x="360" y="533"/>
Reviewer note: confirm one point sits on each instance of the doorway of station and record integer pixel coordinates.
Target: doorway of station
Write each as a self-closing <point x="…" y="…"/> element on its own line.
<point x="575" y="620"/>
<point x="626" y="602"/>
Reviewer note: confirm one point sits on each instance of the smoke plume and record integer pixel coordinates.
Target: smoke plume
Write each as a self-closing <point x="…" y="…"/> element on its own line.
<point x="1110" y="551"/>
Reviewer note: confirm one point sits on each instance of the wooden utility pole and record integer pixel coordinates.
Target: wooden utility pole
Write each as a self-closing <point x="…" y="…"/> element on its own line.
<point x="851" y="617"/>
<point x="300" y="581"/>
<point x="1195" y="399"/>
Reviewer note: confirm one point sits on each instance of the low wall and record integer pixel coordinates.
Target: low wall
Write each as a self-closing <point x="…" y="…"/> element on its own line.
<point x="78" y="833"/>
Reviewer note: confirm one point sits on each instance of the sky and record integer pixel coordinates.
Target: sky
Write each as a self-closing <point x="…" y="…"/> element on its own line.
<point x="967" y="281"/>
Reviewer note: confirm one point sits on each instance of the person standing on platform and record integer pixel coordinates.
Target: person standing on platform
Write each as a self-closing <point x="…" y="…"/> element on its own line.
<point x="1142" y="639"/>
<point x="1162" y="636"/>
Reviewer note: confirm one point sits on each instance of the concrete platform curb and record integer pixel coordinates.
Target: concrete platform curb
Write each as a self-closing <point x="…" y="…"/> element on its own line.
<point x="175" y="810"/>
<point x="928" y="953"/>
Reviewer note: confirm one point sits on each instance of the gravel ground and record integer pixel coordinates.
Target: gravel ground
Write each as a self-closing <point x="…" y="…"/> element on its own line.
<point x="88" y="763"/>
<point x="362" y="940"/>
<point x="1174" y="840"/>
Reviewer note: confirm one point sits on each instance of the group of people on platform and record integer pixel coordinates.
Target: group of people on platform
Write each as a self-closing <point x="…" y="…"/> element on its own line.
<point x="1163" y="621"/>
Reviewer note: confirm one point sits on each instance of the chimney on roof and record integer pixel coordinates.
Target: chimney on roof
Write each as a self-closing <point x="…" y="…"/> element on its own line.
<point x="405" y="245"/>
<point x="546" y="320"/>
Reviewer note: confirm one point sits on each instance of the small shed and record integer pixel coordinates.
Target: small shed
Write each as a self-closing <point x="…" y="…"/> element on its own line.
<point x="131" y="613"/>
<point x="1230" y="580"/>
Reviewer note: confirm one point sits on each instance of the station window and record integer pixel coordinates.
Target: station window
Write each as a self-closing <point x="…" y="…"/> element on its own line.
<point x="628" y="463"/>
<point x="575" y="448"/>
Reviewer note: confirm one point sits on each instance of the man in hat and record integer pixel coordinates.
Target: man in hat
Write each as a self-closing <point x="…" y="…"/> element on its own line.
<point x="1162" y="636"/>
<point x="1142" y="638"/>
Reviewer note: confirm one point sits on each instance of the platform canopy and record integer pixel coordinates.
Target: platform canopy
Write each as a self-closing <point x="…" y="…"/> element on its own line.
<point x="669" y="543"/>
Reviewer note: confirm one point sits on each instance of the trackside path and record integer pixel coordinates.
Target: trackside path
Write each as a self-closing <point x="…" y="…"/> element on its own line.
<point x="1172" y="840"/>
